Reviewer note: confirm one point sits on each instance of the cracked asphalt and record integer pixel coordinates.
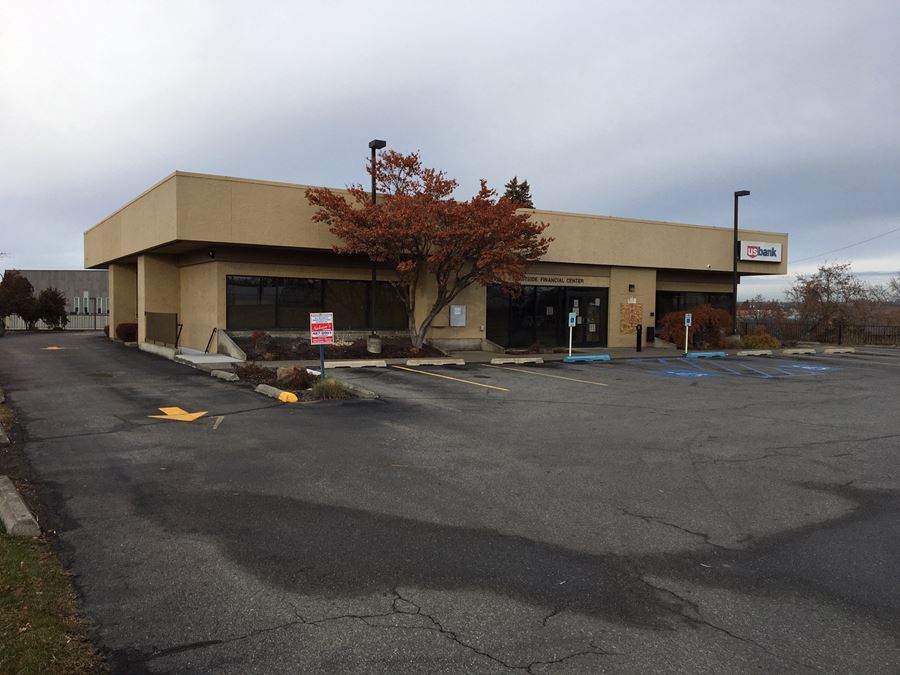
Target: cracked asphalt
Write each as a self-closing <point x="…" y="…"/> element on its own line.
<point x="744" y="521"/>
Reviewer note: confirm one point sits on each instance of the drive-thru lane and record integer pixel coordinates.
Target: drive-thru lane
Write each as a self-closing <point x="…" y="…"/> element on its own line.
<point x="657" y="524"/>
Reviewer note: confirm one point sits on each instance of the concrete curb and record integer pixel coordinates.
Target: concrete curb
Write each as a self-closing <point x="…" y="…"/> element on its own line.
<point x="518" y="361"/>
<point x="224" y="375"/>
<point x="435" y="362"/>
<point x="755" y="352"/>
<point x="274" y="392"/>
<point x="361" y="392"/>
<point x="374" y="363"/>
<point x="705" y="355"/>
<point x="16" y="517"/>
<point x="830" y="350"/>
<point x="796" y="352"/>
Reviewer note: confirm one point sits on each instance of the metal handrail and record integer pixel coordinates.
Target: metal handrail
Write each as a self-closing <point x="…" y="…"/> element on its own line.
<point x="209" y="342"/>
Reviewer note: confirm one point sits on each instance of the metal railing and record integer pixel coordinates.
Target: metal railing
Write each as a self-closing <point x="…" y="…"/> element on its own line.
<point x="76" y="322"/>
<point x="836" y="333"/>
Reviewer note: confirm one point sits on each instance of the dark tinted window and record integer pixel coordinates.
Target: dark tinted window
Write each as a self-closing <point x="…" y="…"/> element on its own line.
<point x="273" y="303"/>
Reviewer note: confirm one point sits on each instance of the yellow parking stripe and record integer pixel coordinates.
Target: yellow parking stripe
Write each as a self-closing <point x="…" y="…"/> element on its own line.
<point x="555" y="377"/>
<point x="447" y="377"/>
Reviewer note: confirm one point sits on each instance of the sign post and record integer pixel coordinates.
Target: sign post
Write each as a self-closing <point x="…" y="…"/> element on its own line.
<point x="688" y="319"/>
<point x="572" y="317"/>
<point x="321" y="332"/>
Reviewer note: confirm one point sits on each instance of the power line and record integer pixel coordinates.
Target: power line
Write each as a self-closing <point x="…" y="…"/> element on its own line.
<point x="835" y="250"/>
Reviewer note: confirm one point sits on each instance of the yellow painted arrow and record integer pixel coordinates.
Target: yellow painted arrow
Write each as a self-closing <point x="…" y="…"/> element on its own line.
<point x="178" y="415"/>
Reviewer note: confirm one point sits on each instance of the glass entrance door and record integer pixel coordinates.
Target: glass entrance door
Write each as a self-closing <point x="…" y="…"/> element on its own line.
<point x="590" y="308"/>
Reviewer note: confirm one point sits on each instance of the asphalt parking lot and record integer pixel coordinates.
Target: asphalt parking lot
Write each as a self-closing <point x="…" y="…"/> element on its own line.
<point x="653" y="515"/>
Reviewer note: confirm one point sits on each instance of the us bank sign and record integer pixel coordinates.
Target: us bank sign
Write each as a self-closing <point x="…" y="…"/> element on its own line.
<point x="760" y="251"/>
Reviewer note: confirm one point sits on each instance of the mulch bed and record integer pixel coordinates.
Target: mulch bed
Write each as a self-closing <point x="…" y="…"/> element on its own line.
<point x="268" y="347"/>
<point x="252" y="375"/>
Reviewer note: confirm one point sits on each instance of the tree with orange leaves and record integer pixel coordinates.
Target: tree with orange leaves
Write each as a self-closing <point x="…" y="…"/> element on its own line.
<point x="421" y="231"/>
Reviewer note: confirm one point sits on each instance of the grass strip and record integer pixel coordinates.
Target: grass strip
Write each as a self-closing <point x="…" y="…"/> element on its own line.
<point x="40" y="631"/>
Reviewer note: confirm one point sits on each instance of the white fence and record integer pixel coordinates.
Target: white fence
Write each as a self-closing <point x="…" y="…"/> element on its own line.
<point x="76" y="322"/>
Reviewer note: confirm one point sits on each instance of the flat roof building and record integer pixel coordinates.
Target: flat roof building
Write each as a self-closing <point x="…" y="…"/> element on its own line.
<point x="85" y="290"/>
<point x="237" y="254"/>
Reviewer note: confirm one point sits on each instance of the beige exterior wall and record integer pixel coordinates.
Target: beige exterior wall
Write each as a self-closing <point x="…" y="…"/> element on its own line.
<point x="474" y="298"/>
<point x="199" y="306"/>
<point x="221" y="210"/>
<point x="644" y="243"/>
<point x="122" y="296"/>
<point x="158" y="288"/>
<point x="234" y="211"/>
<point x="144" y="223"/>
<point x="622" y="300"/>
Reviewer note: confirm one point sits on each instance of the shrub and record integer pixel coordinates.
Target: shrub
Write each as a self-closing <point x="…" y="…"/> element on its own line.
<point x="708" y="329"/>
<point x="760" y="339"/>
<point x="29" y="312"/>
<point x="732" y="341"/>
<point x="51" y="307"/>
<point x="327" y="389"/>
<point x="127" y="332"/>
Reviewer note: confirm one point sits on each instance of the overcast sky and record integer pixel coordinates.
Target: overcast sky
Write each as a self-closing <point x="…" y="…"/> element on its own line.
<point x="655" y="110"/>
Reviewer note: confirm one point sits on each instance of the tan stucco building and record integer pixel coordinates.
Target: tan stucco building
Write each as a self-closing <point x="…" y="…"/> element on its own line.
<point x="212" y="252"/>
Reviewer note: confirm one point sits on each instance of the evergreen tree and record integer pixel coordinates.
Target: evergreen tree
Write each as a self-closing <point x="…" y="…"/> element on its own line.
<point x="520" y="193"/>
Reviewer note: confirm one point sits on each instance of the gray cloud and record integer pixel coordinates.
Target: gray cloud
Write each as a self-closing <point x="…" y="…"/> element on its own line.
<point x="644" y="109"/>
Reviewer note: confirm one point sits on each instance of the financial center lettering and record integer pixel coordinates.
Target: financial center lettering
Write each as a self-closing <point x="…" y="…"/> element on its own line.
<point x="553" y="280"/>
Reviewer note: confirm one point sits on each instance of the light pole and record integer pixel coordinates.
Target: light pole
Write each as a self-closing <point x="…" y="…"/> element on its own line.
<point x="373" y="345"/>
<point x="735" y="254"/>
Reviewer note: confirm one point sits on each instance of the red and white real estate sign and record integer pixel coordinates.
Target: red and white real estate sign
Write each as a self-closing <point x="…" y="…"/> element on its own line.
<point x="321" y="328"/>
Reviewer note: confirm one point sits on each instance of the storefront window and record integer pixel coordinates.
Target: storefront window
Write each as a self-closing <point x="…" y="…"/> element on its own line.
<point x="349" y="302"/>
<point x="297" y="298"/>
<point x="540" y="315"/>
<point x="274" y="303"/>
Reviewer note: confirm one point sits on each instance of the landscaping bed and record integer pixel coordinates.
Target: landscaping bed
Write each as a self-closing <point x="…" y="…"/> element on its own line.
<point x="262" y="346"/>
<point x="296" y="380"/>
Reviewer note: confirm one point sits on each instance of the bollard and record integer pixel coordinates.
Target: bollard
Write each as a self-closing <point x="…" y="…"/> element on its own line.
<point x="638" y="335"/>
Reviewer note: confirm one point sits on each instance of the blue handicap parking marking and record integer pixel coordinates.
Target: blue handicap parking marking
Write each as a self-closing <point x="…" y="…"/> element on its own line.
<point x="692" y="369"/>
<point x="687" y="373"/>
<point x="810" y="367"/>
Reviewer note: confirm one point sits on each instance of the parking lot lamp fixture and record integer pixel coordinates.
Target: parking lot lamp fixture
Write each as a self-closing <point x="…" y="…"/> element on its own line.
<point x="375" y="145"/>
<point x="735" y="254"/>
